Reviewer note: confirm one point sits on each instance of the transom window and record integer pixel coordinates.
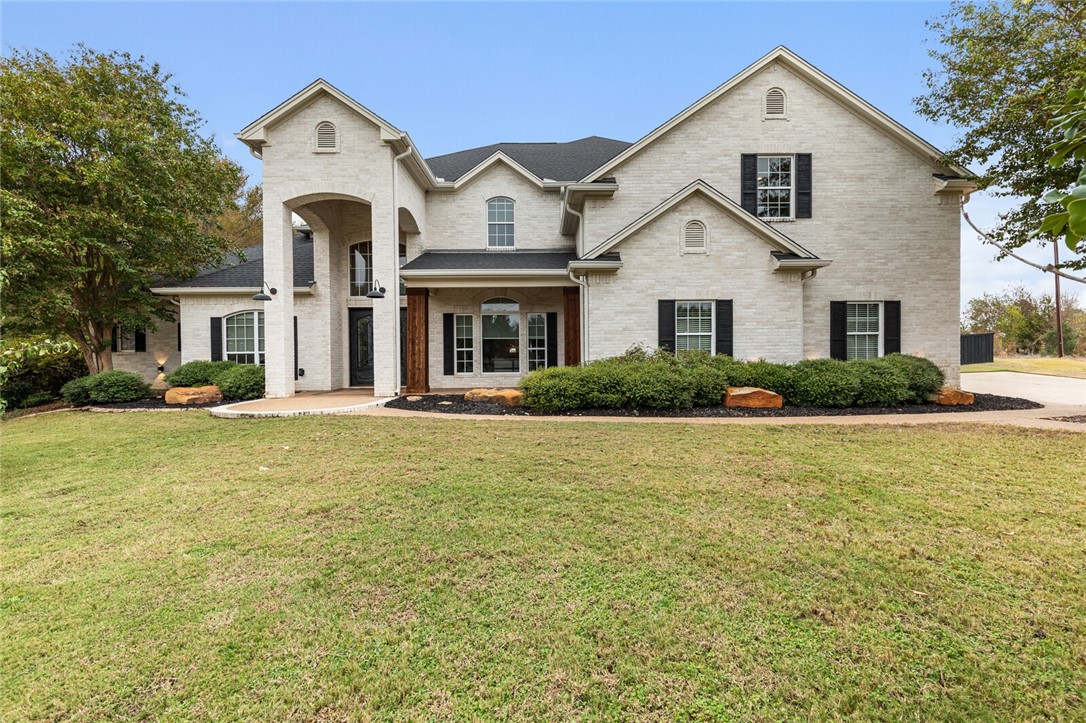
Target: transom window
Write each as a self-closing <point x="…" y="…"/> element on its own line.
<point x="501" y="336"/>
<point x="360" y="272"/>
<point x="537" y="342"/>
<point x="694" y="325"/>
<point x="864" y="330"/>
<point x="245" y="337"/>
<point x="775" y="186"/>
<point x="465" y="344"/>
<point x="499" y="223"/>
<point x="327" y="137"/>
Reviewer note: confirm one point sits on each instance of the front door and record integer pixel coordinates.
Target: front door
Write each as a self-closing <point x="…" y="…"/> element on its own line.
<point x="360" y="322"/>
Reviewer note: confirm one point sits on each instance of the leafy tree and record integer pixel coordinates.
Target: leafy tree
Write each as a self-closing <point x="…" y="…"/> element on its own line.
<point x="106" y="185"/>
<point x="1001" y="68"/>
<point x="1026" y="323"/>
<point x="1071" y="220"/>
<point x="242" y="220"/>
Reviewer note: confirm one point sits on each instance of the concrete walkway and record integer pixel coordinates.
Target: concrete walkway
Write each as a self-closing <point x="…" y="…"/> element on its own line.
<point x="341" y="401"/>
<point x="1036" y="387"/>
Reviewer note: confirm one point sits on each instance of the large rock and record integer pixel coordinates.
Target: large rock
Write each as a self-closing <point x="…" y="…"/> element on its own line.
<point x="193" y="395"/>
<point x="508" y="397"/>
<point x="753" y="397"/>
<point x="951" y="397"/>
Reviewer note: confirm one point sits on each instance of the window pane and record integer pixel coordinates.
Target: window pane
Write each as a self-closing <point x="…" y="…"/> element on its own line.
<point x="694" y="325"/>
<point x="360" y="273"/>
<point x="501" y="343"/>
<point x="465" y="344"/>
<point x="245" y="337"/>
<point x="537" y="341"/>
<point x="499" y="216"/>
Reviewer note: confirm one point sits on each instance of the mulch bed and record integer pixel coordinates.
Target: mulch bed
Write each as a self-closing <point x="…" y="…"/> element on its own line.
<point x="154" y="404"/>
<point x="455" y="404"/>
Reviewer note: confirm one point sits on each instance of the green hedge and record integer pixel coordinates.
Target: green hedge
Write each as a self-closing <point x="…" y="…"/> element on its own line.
<point x="662" y="380"/>
<point x="243" y="381"/>
<point x="106" y="388"/>
<point x="33" y="370"/>
<point x="199" y="373"/>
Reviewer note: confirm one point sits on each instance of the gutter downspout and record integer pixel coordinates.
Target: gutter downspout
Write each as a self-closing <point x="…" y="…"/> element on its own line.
<point x="582" y="281"/>
<point x="396" y="249"/>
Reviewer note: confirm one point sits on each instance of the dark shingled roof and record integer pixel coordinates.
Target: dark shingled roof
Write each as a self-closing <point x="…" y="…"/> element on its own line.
<point x="570" y="161"/>
<point x="250" y="274"/>
<point x="495" y="260"/>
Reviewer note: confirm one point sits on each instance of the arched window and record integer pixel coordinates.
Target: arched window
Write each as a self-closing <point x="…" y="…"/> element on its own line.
<point x="775" y="103"/>
<point x="360" y="273"/>
<point x="327" y="140"/>
<point x="499" y="223"/>
<point x="501" y="335"/>
<point x="245" y="337"/>
<point x="694" y="237"/>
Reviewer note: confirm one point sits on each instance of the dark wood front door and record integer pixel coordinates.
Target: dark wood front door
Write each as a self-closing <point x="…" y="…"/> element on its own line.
<point x="360" y="322"/>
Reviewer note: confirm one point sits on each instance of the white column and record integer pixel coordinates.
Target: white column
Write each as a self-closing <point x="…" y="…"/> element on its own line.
<point x="386" y="341"/>
<point x="279" y="312"/>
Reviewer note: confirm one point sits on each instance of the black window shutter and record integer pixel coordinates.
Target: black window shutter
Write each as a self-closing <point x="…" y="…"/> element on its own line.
<point x="552" y="338"/>
<point x="724" y="326"/>
<point x="113" y="340"/>
<point x="141" y="341"/>
<point x="296" y="348"/>
<point x="448" y="321"/>
<point x="748" y="182"/>
<point x="216" y="338"/>
<point x="891" y="319"/>
<point x="803" y="185"/>
<point x="666" y="326"/>
<point x="839" y="330"/>
<point x="179" y="336"/>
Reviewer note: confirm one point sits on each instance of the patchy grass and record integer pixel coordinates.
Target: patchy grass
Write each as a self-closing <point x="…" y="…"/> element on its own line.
<point x="184" y="567"/>
<point x="1053" y="366"/>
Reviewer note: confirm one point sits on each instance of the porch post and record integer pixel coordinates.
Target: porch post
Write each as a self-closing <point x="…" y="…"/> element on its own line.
<point x="279" y="312"/>
<point x="571" y="312"/>
<point x="418" y="341"/>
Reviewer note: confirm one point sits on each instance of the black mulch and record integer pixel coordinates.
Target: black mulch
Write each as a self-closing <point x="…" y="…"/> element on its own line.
<point x="152" y="404"/>
<point x="1077" y="418"/>
<point x="455" y="404"/>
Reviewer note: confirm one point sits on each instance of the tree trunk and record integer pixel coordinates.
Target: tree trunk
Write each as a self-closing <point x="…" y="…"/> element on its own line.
<point x="95" y="341"/>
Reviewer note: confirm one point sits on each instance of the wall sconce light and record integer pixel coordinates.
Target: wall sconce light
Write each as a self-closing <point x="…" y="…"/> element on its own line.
<point x="377" y="292"/>
<point x="161" y="368"/>
<point x="263" y="294"/>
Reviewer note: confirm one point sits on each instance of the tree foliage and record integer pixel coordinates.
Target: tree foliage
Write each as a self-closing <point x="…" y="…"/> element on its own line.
<point x="107" y="186"/>
<point x="1002" y="67"/>
<point x="1070" y="120"/>
<point x="1025" y="322"/>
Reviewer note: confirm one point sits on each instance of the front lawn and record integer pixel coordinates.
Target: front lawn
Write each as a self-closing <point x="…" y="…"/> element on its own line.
<point x="182" y="567"/>
<point x="1066" y="367"/>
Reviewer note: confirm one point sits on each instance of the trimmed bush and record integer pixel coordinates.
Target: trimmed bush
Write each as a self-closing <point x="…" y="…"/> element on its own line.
<point x="880" y="384"/>
<point x="199" y="373"/>
<point x="823" y="383"/>
<point x="921" y="375"/>
<point x="243" y="381"/>
<point x="77" y="392"/>
<point x="117" y="386"/>
<point x="767" y="375"/>
<point x="39" y="398"/>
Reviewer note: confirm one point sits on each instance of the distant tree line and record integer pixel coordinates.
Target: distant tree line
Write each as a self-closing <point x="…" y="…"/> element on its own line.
<point x="1025" y="322"/>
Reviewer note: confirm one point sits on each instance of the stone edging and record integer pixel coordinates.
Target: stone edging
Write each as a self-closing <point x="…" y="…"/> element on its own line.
<point x="225" y="411"/>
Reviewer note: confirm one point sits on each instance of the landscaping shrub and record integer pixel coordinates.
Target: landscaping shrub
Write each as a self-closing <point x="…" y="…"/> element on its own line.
<point x="767" y="375"/>
<point x="557" y="389"/>
<point x="243" y="381"/>
<point x="35" y="399"/>
<point x="880" y="384"/>
<point x="823" y="383"/>
<point x="922" y="376"/>
<point x="117" y="386"/>
<point x="199" y="373"/>
<point x="77" y="391"/>
<point x="36" y="368"/>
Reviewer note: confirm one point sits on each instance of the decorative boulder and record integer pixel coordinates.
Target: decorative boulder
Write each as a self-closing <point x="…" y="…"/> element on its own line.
<point x="951" y="397"/>
<point x="193" y="395"/>
<point x="506" y="397"/>
<point x="753" y="397"/>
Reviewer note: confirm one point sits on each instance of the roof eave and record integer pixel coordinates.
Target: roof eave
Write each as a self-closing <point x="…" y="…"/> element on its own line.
<point x="219" y="290"/>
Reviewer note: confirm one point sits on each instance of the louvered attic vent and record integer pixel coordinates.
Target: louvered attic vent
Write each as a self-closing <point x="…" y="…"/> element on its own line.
<point x="694" y="236"/>
<point x="327" y="139"/>
<point x="774" y="103"/>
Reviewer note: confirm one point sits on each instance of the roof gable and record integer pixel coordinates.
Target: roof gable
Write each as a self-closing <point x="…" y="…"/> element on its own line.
<point x="547" y="161"/>
<point x="812" y="75"/>
<point x="759" y="228"/>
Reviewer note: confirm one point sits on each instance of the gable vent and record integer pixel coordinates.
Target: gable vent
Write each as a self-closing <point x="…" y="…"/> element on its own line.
<point x="694" y="236"/>
<point x="327" y="139"/>
<point x="774" y="103"/>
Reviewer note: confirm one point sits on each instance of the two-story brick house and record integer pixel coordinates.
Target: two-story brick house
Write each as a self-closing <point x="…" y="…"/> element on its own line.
<point x="778" y="217"/>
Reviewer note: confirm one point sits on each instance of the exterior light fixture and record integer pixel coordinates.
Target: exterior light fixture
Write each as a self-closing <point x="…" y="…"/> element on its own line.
<point x="263" y="294"/>
<point x="161" y="368"/>
<point x="377" y="292"/>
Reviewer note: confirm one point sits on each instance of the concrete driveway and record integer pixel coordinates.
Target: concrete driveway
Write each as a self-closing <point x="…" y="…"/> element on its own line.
<point x="1055" y="391"/>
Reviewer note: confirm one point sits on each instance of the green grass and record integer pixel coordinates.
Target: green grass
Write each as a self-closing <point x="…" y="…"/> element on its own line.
<point x="1066" y="367"/>
<point x="419" y="568"/>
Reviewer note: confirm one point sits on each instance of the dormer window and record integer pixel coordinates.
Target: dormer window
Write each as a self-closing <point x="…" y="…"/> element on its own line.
<point x="694" y="238"/>
<point x="327" y="137"/>
<point x="775" y="104"/>
<point x="499" y="223"/>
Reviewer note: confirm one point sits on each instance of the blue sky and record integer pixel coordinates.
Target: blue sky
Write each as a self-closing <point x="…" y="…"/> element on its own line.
<point x="462" y="75"/>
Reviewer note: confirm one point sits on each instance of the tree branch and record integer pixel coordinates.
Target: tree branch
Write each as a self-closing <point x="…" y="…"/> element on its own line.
<point x="985" y="238"/>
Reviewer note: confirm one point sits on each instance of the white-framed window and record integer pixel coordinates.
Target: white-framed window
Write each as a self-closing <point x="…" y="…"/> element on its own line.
<point x="126" y="340"/>
<point x="326" y="137"/>
<point x="499" y="223"/>
<point x="776" y="182"/>
<point x="501" y="336"/>
<point x="360" y="268"/>
<point x="775" y="104"/>
<point x="864" y="329"/>
<point x="695" y="238"/>
<point x="245" y="337"/>
<point x="537" y="342"/>
<point x="465" y="344"/>
<point x="694" y="325"/>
